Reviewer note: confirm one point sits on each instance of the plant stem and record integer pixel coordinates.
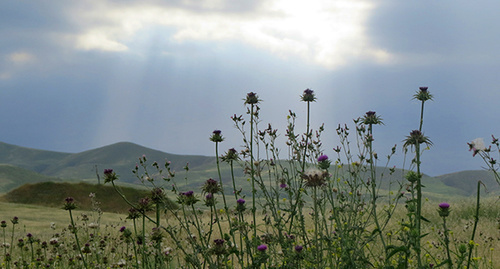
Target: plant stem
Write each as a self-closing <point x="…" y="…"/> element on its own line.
<point x="476" y="220"/>
<point x="76" y="238"/>
<point x="252" y="173"/>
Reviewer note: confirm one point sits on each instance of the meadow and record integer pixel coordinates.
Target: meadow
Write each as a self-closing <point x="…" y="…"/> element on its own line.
<point x="306" y="211"/>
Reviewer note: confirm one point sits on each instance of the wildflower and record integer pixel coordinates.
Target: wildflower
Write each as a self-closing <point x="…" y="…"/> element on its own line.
<point x="216" y="136"/>
<point x="109" y="175"/>
<point x="93" y="225"/>
<point x="69" y="203"/>
<point x="298" y="248"/>
<point x="476" y="146"/>
<point x="211" y="186"/>
<point x="371" y="118"/>
<point x="157" y="195"/>
<point x="262" y="248"/>
<point x="219" y="248"/>
<point x="53" y="225"/>
<point x="283" y="185"/>
<point x="187" y="198"/>
<point x="315" y="178"/>
<point x="209" y="200"/>
<point x="444" y="209"/>
<point x="144" y="205"/>
<point x="252" y="98"/>
<point x="323" y="162"/>
<point x="3" y="224"/>
<point x="240" y="205"/>
<point x="133" y="213"/>
<point x="422" y="95"/>
<point x="416" y="137"/>
<point x="308" y="96"/>
<point x="231" y="155"/>
<point x="156" y="235"/>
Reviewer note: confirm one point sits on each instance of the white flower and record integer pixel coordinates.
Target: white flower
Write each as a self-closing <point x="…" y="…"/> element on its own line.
<point x="478" y="144"/>
<point x="93" y="225"/>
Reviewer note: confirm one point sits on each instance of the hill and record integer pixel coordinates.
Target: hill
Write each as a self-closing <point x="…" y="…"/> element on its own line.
<point x="467" y="181"/>
<point x="12" y="177"/>
<point x="24" y="165"/>
<point x="52" y="194"/>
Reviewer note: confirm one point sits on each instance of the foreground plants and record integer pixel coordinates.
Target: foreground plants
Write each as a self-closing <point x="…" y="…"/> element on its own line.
<point x="306" y="211"/>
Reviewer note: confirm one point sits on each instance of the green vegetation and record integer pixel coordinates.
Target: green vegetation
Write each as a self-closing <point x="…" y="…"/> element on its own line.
<point x="52" y="194"/>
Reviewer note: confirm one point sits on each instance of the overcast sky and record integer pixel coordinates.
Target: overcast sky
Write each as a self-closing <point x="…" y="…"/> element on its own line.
<point x="77" y="75"/>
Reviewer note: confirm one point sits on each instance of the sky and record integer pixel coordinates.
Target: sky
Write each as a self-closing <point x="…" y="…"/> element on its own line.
<point x="78" y="75"/>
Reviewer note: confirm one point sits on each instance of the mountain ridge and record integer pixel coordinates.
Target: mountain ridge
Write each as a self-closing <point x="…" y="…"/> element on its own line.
<point x="123" y="156"/>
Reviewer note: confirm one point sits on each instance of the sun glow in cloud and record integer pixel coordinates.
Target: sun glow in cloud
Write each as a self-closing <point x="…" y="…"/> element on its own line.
<point x="327" y="33"/>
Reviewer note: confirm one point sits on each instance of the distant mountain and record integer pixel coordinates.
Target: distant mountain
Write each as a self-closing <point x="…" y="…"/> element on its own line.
<point x="20" y="165"/>
<point x="467" y="181"/>
<point x="12" y="177"/>
<point x="121" y="157"/>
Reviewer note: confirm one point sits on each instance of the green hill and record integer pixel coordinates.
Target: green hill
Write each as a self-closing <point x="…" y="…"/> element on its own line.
<point x="25" y="165"/>
<point x="467" y="181"/>
<point x="52" y="194"/>
<point x="12" y="177"/>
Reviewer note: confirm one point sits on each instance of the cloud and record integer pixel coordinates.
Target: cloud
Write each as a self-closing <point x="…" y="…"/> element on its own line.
<point x="20" y="58"/>
<point x="326" y="33"/>
<point x="98" y="41"/>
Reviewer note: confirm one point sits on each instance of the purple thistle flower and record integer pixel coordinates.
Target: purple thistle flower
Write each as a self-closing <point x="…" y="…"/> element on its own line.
<point x="262" y="248"/>
<point x="423" y="89"/>
<point x="298" y="248"/>
<point x="240" y="201"/>
<point x="188" y="193"/>
<point x="444" y="209"/>
<point x="283" y="185"/>
<point x="322" y="158"/>
<point x="108" y="171"/>
<point x="444" y="205"/>
<point x="122" y="229"/>
<point x="308" y="96"/>
<point x="216" y="136"/>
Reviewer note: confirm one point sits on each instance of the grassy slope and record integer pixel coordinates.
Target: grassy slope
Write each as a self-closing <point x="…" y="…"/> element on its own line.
<point x="52" y="194"/>
<point x="12" y="177"/>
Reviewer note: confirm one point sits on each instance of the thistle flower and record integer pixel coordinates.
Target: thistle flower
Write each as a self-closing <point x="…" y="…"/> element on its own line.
<point x="298" y="248"/>
<point x="216" y="136"/>
<point x="252" y="98"/>
<point x="416" y="137"/>
<point x="315" y="178"/>
<point x="444" y="209"/>
<point x="3" y="224"/>
<point x="133" y="213"/>
<point x="371" y="118"/>
<point x="308" y="96"/>
<point x="240" y="205"/>
<point x="422" y="94"/>
<point x="109" y="175"/>
<point x="231" y="155"/>
<point x="323" y="162"/>
<point x="262" y="248"/>
<point x="187" y="198"/>
<point x="211" y="186"/>
<point x="69" y="203"/>
<point x="157" y="195"/>
<point x="209" y="200"/>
